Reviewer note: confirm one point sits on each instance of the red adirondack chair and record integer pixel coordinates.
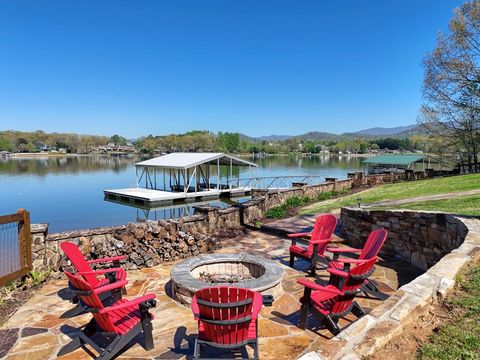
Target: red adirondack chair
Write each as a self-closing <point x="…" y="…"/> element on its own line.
<point x="227" y="317"/>
<point x="372" y="247"/>
<point x="329" y="302"/>
<point x="91" y="276"/>
<point x="115" y="325"/>
<point x="317" y="241"/>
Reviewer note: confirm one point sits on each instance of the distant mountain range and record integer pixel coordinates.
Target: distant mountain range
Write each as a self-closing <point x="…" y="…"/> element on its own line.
<point x="399" y="131"/>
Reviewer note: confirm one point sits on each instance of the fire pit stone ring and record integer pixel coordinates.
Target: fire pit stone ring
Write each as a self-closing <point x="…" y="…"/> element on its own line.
<point x="261" y="275"/>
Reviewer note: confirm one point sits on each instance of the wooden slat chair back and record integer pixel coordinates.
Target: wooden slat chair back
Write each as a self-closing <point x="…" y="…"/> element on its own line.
<point x="78" y="260"/>
<point x="374" y="243"/>
<point x="317" y="241"/>
<point x="323" y="230"/>
<point x="227" y="317"/>
<point x="370" y="249"/>
<point x="351" y="286"/>
<point x="91" y="300"/>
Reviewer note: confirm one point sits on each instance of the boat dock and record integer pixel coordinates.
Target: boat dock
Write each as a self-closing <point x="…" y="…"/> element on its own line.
<point x="184" y="177"/>
<point x="158" y="197"/>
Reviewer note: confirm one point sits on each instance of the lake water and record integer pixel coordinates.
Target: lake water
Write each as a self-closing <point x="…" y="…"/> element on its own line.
<point x="67" y="192"/>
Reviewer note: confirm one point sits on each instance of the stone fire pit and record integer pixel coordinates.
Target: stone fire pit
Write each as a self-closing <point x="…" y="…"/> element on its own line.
<point x="260" y="274"/>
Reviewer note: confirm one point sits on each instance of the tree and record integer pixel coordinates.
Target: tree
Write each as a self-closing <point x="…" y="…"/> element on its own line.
<point x="5" y="145"/>
<point x="451" y="87"/>
<point x="229" y="141"/>
<point x="118" y="140"/>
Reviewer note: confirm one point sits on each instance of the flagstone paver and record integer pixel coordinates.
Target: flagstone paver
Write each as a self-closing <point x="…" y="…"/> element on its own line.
<point x="37" y="331"/>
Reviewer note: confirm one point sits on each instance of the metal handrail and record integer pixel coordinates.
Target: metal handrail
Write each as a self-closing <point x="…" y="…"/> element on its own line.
<point x="273" y="182"/>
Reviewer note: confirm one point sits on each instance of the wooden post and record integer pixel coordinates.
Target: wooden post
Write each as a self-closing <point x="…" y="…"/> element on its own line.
<point x="25" y="240"/>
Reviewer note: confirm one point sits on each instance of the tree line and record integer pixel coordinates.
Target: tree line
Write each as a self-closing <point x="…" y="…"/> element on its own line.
<point x="17" y="141"/>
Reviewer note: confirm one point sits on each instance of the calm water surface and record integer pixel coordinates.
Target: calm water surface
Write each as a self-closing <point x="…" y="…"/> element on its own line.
<point x="67" y="192"/>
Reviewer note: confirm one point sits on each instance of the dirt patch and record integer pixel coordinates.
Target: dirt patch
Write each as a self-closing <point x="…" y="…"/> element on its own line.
<point x="12" y="300"/>
<point x="227" y="234"/>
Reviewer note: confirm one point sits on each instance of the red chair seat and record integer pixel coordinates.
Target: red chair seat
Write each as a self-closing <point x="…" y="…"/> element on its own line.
<point x="252" y="331"/>
<point x="125" y="319"/>
<point x="323" y="301"/>
<point x="119" y="276"/>
<point x="298" y="250"/>
<point x="336" y="265"/>
<point x="303" y="252"/>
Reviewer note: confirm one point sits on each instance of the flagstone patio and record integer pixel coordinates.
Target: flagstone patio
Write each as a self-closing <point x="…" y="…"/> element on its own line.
<point x="36" y="330"/>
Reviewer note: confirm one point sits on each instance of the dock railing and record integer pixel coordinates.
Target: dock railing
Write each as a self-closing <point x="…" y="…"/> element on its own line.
<point x="274" y="182"/>
<point x="15" y="246"/>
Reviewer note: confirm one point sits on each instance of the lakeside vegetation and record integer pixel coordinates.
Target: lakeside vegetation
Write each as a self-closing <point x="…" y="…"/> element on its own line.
<point x="199" y="140"/>
<point x="398" y="191"/>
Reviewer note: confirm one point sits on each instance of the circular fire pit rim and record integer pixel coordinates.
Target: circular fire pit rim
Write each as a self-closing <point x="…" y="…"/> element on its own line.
<point x="180" y="274"/>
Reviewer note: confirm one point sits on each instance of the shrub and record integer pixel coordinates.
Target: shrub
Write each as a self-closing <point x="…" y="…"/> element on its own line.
<point x="296" y="201"/>
<point x="325" y="195"/>
<point x="276" y="212"/>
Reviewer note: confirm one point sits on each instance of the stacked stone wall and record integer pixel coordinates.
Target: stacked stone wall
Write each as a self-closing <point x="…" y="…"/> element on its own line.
<point x="419" y="238"/>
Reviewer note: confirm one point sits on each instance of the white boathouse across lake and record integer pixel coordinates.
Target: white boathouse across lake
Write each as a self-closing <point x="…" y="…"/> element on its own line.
<point x="185" y="176"/>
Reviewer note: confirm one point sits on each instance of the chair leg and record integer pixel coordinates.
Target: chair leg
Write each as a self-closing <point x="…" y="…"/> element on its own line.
<point x="196" y="351"/>
<point x="147" y="333"/>
<point x="255" y="349"/>
<point x="370" y="288"/>
<point x="313" y="269"/>
<point x="357" y="310"/>
<point x="118" y="344"/>
<point x="331" y="325"/>
<point x="304" y="310"/>
<point x="292" y="261"/>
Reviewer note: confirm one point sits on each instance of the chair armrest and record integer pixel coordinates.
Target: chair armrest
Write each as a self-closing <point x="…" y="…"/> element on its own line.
<point x="316" y="287"/>
<point x="113" y="258"/>
<point x="99" y="271"/>
<point x="195" y="308"/>
<point x="129" y="303"/>
<point x="112" y="286"/>
<point x="320" y="241"/>
<point x="350" y="261"/>
<point x="338" y="272"/>
<point x="304" y="234"/>
<point x="344" y="250"/>
<point x="257" y="305"/>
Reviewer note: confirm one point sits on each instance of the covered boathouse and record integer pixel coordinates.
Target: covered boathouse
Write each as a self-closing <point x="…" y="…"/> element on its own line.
<point x="399" y="163"/>
<point x="184" y="176"/>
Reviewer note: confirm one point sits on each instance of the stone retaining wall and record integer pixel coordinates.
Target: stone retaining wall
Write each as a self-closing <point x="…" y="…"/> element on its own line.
<point x="412" y="300"/>
<point x="419" y="238"/>
<point x="146" y="244"/>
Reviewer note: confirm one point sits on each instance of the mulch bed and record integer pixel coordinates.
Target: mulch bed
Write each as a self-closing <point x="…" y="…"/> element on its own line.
<point x="18" y="297"/>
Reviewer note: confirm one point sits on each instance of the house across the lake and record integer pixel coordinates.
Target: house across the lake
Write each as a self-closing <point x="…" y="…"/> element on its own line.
<point x="5" y="154"/>
<point x="184" y="176"/>
<point x="399" y="163"/>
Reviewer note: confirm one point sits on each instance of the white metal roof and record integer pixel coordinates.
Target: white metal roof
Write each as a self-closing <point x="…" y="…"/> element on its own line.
<point x="189" y="160"/>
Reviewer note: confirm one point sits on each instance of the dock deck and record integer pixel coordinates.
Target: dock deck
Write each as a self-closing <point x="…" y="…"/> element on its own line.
<point x="150" y="196"/>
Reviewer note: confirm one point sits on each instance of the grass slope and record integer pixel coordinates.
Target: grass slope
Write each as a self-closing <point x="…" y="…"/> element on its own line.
<point x="459" y="338"/>
<point x="401" y="190"/>
<point x="465" y="205"/>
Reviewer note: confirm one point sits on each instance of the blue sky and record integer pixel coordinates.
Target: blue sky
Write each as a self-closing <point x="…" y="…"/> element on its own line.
<point x="251" y="66"/>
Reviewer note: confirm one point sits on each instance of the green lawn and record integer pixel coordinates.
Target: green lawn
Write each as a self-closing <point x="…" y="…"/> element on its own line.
<point x="465" y="205"/>
<point x="459" y="338"/>
<point x="401" y="190"/>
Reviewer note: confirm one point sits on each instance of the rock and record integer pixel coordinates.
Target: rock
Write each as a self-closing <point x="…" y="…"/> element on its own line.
<point x="139" y="233"/>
